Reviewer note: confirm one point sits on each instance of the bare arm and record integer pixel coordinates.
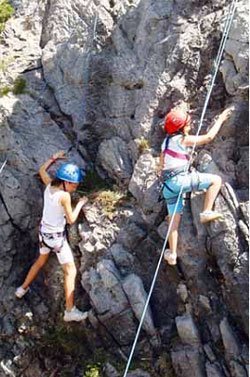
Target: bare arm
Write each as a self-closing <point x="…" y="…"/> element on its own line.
<point x="71" y="215"/>
<point x="45" y="177"/>
<point x="190" y="140"/>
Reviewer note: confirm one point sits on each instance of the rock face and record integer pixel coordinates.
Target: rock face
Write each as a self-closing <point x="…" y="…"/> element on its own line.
<point x="99" y="77"/>
<point x="235" y="65"/>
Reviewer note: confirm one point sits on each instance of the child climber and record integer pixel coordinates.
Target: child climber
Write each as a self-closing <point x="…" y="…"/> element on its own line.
<point x="57" y="210"/>
<point x="174" y="159"/>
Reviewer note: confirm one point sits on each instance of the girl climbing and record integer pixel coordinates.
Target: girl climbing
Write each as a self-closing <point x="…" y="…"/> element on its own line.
<point x="57" y="211"/>
<point x="174" y="159"/>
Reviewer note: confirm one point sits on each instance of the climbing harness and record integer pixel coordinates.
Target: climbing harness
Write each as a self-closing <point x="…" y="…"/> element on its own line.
<point x="173" y="153"/>
<point x="44" y="238"/>
<point x="226" y="30"/>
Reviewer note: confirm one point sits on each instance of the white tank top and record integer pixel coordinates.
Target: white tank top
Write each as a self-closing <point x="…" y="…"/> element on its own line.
<point x="176" y="148"/>
<point x="53" y="219"/>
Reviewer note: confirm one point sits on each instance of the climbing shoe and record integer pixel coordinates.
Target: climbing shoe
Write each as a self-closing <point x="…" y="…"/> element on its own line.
<point x="170" y="257"/>
<point x="207" y="216"/>
<point x="74" y="315"/>
<point x="20" y="292"/>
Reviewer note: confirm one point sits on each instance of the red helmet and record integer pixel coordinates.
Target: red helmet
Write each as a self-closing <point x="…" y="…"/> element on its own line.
<point x="175" y="121"/>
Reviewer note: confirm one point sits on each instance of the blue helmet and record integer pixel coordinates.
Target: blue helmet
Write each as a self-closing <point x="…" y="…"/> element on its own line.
<point x="70" y="173"/>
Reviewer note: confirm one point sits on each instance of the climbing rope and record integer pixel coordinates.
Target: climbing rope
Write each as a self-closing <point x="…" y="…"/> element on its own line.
<point x="216" y="68"/>
<point x="2" y="167"/>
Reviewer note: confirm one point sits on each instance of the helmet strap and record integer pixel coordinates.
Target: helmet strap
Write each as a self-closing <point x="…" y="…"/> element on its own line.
<point x="64" y="187"/>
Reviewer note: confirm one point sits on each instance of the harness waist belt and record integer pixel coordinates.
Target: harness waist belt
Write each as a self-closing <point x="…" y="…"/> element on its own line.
<point x="59" y="234"/>
<point x="167" y="174"/>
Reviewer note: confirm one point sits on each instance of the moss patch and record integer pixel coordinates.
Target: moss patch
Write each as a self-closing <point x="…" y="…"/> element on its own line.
<point x="6" y="11"/>
<point x="19" y="86"/>
<point x="4" y="91"/>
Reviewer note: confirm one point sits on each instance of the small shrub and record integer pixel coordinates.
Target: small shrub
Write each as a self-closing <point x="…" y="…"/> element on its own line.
<point x="4" y="63"/>
<point x="4" y="91"/>
<point x="19" y="86"/>
<point x="143" y="145"/>
<point x="6" y="11"/>
<point x="93" y="371"/>
<point x="109" y="200"/>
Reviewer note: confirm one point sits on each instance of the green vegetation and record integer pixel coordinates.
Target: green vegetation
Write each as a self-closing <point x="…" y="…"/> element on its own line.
<point x="62" y="345"/>
<point x="4" y="91"/>
<point x="99" y="191"/>
<point x="18" y="87"/>
<point x="4" y="63"/>
<point x="6" y="11"/>
<point x="93" y="371"/>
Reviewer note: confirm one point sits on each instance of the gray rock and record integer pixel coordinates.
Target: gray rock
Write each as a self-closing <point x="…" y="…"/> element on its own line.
<point x="109" y="302"/>
<point x="110" y="370"/>
<point x="182" y="292"/>
<point x="113" y="157"/>
<point x="187" y="330"/>
<point x="138" y="373"/>
<point x="230" y="343"/>
<point x="137" y="296"/>
<point x="123" y="259"/>
<point x="244" y="207"/>
<point x="131" y="235"/>
<point x="237" y="369"/>
<point x="230" y="255"/>
<point x="213" y="370"/>
<point x="144" y="185"/>
<point x="234" y="68"/>
<point x="187" y="359"/>
<point x="209" y="353"/>
<point x="162" y="229"/>
<point x="205" y="303"/>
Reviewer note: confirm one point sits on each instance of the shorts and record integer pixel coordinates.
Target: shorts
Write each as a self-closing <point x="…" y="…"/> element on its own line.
<point x="56" y="242"/>
<point x="193" y="181"/>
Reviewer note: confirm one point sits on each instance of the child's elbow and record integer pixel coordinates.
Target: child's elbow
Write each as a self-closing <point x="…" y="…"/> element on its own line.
<point x="70" y="221"/>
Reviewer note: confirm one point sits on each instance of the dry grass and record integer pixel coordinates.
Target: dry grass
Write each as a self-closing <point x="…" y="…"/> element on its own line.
<point x="143" y="145"/>
<point x="109" y="201"/>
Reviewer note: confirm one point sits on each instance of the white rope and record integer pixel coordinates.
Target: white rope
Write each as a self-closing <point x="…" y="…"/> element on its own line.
<point x="2" y="167"/>
<point x="217" y="64"/>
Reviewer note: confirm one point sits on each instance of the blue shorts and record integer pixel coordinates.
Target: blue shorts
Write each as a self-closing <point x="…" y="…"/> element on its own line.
<point x="193" y="181"/>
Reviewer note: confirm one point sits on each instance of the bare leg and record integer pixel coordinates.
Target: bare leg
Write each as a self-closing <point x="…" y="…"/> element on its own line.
<point x="173" y="235"/>
<point x="35" y="268"/>
<point x="69" y="283"/>
<point x="212" y="193"/>
<point x="170" y="255"/>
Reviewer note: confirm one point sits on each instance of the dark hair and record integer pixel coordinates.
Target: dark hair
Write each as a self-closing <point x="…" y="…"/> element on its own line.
<point x="56" y="182"/>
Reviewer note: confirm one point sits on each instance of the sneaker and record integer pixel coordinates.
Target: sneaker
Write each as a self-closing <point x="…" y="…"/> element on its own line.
<point x="74" y="315"/>
<point x="170" y="257"/>
<point x="20" y="292"/>
<point x="207" y="216"/>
